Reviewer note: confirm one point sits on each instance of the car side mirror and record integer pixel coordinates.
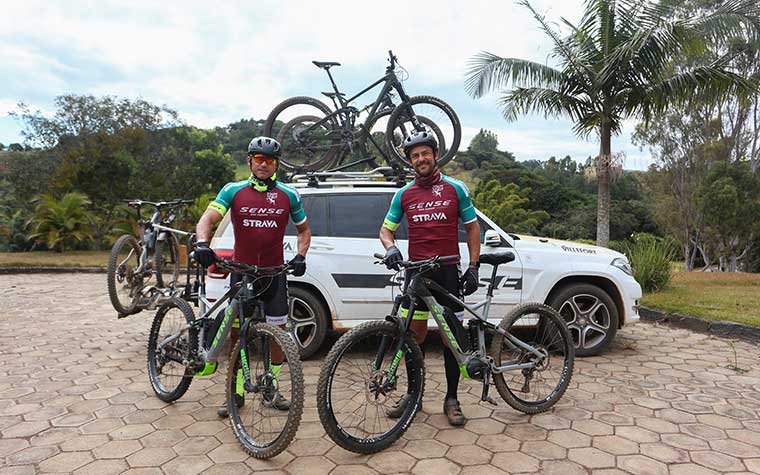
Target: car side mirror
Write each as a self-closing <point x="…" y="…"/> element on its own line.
<point x="492" y="238"/>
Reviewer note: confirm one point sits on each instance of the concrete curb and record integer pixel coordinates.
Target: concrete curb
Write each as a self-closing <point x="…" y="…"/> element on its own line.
<point x="52" y="270"/>
<point x="716" y="327"/>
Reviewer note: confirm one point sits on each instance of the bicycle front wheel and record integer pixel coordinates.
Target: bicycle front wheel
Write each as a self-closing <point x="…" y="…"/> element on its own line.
<point x="535" y="389"/>
<point x="166" y="261"/>
<point x="356" y="387"/>
<point x="170" y="348"/>
<point x="124" y="283"/>
<point x="440" y="120"/>
<point x="266" y="417"/>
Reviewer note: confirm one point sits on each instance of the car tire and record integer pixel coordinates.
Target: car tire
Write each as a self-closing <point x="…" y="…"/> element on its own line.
<point x="591" y="317"/>
<point x="308" y="320"/>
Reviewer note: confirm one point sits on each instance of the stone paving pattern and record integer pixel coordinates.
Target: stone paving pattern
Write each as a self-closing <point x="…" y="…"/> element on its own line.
<point x="75" y="398"/>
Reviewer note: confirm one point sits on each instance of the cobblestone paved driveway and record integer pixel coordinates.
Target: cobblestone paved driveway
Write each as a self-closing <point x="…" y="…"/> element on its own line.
<point x="75" y="397"/>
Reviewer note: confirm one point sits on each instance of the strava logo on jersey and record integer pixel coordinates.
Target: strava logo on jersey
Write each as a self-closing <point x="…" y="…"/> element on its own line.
<point x="260" y="223"/>
<point x="423" y="218"/>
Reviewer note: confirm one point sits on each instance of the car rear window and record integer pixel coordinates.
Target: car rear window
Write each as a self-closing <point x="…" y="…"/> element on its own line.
<point x="357" y="215"/>
<point x="315" y="207"/>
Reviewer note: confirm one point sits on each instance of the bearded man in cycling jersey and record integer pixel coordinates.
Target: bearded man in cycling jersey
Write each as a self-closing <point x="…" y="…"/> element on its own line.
<point x="433" y="204"/>
<point x="260" y="207"/>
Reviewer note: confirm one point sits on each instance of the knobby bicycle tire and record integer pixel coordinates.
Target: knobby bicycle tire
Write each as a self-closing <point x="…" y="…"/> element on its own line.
<point x="274" y="116"/>
<point x="113" y="286"/>
<point x="296" y="144"/>
<point x="186" y="345"/>
<point x="400" y="116"/>
<point x="160" y="264"/>
<point x="559" y="340"/>
<point x="326" y="407"/>
<point x="296" y="394"/>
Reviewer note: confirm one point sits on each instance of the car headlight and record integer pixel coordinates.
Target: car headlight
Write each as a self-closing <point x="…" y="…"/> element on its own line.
<point x="622" y="264"/>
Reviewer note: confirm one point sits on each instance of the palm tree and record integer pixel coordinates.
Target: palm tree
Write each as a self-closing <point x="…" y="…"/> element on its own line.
<point x="58" y="222"/>
<point x="617" y="64"/>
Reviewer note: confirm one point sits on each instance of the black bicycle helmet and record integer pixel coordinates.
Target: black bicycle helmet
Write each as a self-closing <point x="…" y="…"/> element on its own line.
<point x="265" y="146"/>
<point x="420" y="138"/>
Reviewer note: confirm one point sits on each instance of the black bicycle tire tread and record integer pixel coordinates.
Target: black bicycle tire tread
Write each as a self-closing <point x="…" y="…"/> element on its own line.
<point x="531" y="307"/>
<point x="295" y="367"/>
<point x="158" y="268"/>
<point x="184" y="385"/>
<point x="457" y="124"/>
<point x="318" y="165"/>
<point x="111" y="275"/>
<point x="328" y="423"/>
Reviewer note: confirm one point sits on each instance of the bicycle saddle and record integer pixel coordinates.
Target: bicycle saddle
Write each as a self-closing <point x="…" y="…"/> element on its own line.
<point x="325" y="64"/>
<point x="497" y="258"/>
<point x="333" y="94"/>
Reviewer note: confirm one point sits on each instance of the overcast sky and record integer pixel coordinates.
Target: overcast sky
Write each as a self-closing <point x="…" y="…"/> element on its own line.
<point x="218" y="62"/>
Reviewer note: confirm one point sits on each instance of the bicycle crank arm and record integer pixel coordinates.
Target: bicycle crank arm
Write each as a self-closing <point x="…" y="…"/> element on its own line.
<point x="486" y="384"/>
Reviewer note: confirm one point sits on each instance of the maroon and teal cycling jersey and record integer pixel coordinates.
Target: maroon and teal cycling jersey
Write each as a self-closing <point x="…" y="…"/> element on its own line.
<point x="259" y="219"/>
<point x="432" y="214"/>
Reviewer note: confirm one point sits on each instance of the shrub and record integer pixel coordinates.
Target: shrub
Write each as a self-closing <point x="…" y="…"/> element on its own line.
<point x="650" y="257"/>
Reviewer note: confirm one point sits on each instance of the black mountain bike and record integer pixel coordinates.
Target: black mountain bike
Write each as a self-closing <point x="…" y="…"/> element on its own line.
<point x="142" y="271"/>
<point x="530" y="360"/>
<point x="315" y="138"/>
<point x="181" y="346"/>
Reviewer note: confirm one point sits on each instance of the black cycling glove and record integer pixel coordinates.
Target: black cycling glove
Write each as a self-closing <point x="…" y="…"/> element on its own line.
<point x="470" y="279"/>
<point x="392" y="258"/>
<point x="298" y="264"/>
<point x="204" y="255"/>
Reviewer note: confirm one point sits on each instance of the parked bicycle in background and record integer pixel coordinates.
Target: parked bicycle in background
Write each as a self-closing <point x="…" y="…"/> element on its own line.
<point x="142" y="271"/>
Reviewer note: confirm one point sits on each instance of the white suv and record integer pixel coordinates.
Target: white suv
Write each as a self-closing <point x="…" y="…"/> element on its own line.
<point x="592" y="287"/>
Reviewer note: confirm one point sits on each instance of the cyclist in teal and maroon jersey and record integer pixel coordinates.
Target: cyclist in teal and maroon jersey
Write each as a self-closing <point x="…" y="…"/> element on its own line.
<point x="433" y="204"/>
<point x="260" y="208"/>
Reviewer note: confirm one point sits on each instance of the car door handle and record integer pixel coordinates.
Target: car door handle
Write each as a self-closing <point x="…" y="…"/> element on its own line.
<point x="321" y="247"/>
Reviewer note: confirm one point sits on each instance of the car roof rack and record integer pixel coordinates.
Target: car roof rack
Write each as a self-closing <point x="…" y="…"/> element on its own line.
<point x="397" y="175"/>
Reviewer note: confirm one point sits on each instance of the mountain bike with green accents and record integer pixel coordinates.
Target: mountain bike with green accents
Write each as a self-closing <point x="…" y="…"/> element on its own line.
<point x="181" y="347"/>
<point x="530" y="360"/>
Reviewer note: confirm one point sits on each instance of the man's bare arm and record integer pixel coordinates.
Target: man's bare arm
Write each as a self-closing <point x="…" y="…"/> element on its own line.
<point x="473" y="240"/>
<point x="304" y="238"/>
<point x="205" y="226"/>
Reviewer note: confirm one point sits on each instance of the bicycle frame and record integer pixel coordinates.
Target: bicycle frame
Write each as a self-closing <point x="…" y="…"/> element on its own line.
<point x="420" y="287"/>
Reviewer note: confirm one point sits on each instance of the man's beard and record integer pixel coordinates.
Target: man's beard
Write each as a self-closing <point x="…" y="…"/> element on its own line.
<point x="430" y="170"/>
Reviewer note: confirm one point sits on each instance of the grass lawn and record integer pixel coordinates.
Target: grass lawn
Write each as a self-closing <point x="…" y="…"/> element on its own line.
<point x="54" y="259"/>
<point x="711" y="295"/>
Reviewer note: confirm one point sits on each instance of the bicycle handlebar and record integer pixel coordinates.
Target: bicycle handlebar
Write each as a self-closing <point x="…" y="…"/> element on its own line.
<point x="249" y="269"/>
<point x="392" y="58"/>
<point x="437" y="260"/>
<point x="159" y="204"/>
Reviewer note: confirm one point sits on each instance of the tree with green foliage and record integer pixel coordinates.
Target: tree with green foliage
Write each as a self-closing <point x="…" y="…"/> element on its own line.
<point x="616" y="64"/>
<point x="505" y="205"/>
<point x="729" y="200"/>
<point x="59" y="222"/>
<point x="83" y="115"/>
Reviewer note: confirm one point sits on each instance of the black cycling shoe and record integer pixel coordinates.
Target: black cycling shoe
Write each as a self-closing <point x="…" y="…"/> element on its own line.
<point x="278" y="402"/>
<point x="399" y="407"/>
<point x="223" y="412"/>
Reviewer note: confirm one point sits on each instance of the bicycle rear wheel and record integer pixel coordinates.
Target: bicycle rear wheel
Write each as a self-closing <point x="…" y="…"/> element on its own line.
<point x="166" y="261"/>
<point x="257" y="417"/>
<point x="124" y="283"/>
<point x="167" y="370"/>
<point x="354" y="392"/>
<point x="308" y="145"/>
<point x="535" y="389"/>
<point x="447" y="130"/>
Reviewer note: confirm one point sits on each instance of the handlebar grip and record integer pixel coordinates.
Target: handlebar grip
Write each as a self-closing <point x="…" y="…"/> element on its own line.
<point x="447" y="259"/>
<point x="379" y="256"/>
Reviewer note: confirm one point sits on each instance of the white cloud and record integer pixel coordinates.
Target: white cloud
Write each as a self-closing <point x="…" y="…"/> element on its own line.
<point x="216" y="62"/>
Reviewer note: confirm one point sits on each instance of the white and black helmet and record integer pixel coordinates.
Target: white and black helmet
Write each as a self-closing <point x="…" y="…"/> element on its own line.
<point x="420" y="138"/>
<point x="265" y="146"/>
